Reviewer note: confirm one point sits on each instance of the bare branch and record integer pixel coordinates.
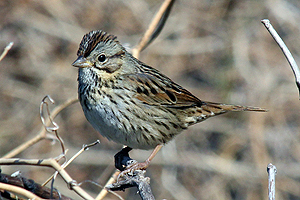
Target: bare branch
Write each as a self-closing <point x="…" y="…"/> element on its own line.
<point x="155" y="27"/>
<point x="84" y="148"/>
<point x="42" y="134"/>
<point x="19" y="190"/>
<point x="53" y="164"/>
<point x="285" y="51"/>
<point x="138" y="180"/>
<point x="6" y="49"/>
<point x="30" y="186"/>
<point x="44" y="102"/>
<point x="104" y="191"/>
<point x="272" y="171"/>
<point x="54" y="126"/>
<point x="97" y="184"/>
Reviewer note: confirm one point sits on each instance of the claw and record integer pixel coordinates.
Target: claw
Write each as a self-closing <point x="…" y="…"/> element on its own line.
<point x="131" y="168"/>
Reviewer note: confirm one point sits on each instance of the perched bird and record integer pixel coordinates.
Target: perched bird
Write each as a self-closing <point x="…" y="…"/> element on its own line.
<point x="132" y="103"/>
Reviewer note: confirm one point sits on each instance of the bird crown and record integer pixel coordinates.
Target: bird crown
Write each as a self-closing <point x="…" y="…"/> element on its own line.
<point x="91" y="40"/>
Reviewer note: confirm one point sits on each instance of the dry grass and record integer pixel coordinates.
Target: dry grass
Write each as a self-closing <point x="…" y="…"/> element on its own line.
<point x="217" y="49"/>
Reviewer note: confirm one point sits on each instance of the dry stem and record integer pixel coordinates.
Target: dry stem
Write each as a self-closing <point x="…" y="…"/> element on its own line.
<point x="42" y="134"/>
<point x="53" y="164"/>
<point x="154" y="28"/>
<point x="285" y="51"/>
<point x="6" y="49"/>
<point x="272" y="171"/>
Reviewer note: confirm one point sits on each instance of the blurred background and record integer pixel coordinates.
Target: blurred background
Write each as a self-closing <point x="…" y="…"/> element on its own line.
<point x="217" y="49"/>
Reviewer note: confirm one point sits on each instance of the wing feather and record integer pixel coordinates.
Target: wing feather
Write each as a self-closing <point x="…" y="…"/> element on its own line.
<point x="162" y="91"/>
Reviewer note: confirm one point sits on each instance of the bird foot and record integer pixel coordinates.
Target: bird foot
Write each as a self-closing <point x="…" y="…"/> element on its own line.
<point x="128" y="166"/>
<point x="122" y="159"/>
<point x="133" y="166"/>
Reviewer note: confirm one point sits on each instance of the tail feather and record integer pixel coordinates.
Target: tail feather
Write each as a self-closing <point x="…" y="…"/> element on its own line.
<point x="209" y="109"/>
<point x="218" y="108"/>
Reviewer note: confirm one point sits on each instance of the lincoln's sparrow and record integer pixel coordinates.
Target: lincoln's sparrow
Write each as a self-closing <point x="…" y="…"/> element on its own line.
<point x="132" y="103"/>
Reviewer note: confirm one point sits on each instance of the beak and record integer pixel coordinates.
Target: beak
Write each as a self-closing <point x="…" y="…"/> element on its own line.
<point x="82" y="62"/>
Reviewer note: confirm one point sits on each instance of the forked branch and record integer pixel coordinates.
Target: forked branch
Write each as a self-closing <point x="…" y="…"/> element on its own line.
<point x="42" y="133"/>
<point x="53" y="164"/>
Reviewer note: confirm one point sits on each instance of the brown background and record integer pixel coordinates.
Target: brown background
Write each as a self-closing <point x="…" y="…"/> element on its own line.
<point x="217" y="49"/>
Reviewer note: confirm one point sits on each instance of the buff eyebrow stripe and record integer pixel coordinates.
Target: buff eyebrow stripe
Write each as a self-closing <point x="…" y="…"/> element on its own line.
<point x="117" y="55"/>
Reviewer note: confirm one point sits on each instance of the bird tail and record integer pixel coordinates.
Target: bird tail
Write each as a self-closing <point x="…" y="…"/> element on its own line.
<point x="209" y="109"/>
<point x="218" y="108"/>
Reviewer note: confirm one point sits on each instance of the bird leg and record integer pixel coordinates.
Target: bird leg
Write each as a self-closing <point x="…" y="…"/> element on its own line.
<point x="134" y="165"/>
<point x="122" y="158"/>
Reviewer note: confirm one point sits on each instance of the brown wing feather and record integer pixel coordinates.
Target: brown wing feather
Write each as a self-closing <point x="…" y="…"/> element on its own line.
<point x="155" y="90"/>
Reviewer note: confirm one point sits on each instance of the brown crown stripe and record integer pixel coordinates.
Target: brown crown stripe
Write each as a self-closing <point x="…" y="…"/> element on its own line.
<point x="91" y="39"/>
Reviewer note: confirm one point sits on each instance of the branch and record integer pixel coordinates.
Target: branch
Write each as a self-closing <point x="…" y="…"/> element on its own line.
<point x="19" y="190"/>
<point x="6" y="49"/>
<point x="136" y="180"/>
<point x="272" y="171"/>
<point x="42" y="134"/>
<point x="285" y="51"/>
<point x="154" y="28"/>
<point x="53" y="164"/>
<point x="104" y="191"/>
<point x="24" y="185"/>
<point x="84" y="148"/>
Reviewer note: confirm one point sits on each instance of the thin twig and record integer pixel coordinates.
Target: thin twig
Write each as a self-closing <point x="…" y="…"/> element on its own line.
<point x="272" y="171"/>
<point x="6" y="49"/>
<point x="53" y="127"/>
<point x="104" y="191"/>
<point x="42" y="134"/>
<point x="53" y="164"/>
<point x="285" y="51"/>
<point x="154" y="28"/>
<point x="97" y="184"/>
<point x="84" y="148"/>
<point x="30" y="186"/>
<point x="19" y="190"/>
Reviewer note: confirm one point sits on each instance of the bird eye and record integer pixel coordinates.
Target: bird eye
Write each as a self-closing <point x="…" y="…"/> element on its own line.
<point x="102" y="58"/>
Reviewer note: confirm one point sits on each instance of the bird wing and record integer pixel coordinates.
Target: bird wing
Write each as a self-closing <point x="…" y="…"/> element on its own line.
<point x="157" y="89"/>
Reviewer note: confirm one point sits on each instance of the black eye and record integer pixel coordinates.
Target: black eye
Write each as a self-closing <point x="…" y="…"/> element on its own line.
<point x="102" y="58"/>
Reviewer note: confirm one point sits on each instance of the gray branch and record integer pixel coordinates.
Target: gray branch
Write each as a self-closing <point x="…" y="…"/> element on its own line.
<point x="285" y="51"/>
<point x="137" y="179"/>
<point x="272" y="171"/>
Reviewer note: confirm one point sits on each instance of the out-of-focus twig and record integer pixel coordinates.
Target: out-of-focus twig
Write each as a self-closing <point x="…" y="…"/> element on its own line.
<point x="6" y="49"/>
<point x="53" y="164"/>
<point x="42" y="134"/>
<point x="285" y="51"/>
<point x="272" y="171"/>
<point x="154" y="28"/>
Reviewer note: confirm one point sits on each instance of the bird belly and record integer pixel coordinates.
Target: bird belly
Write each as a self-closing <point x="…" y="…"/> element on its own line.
<point x="128" y="125"/>
<point x="112" y="124"/>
